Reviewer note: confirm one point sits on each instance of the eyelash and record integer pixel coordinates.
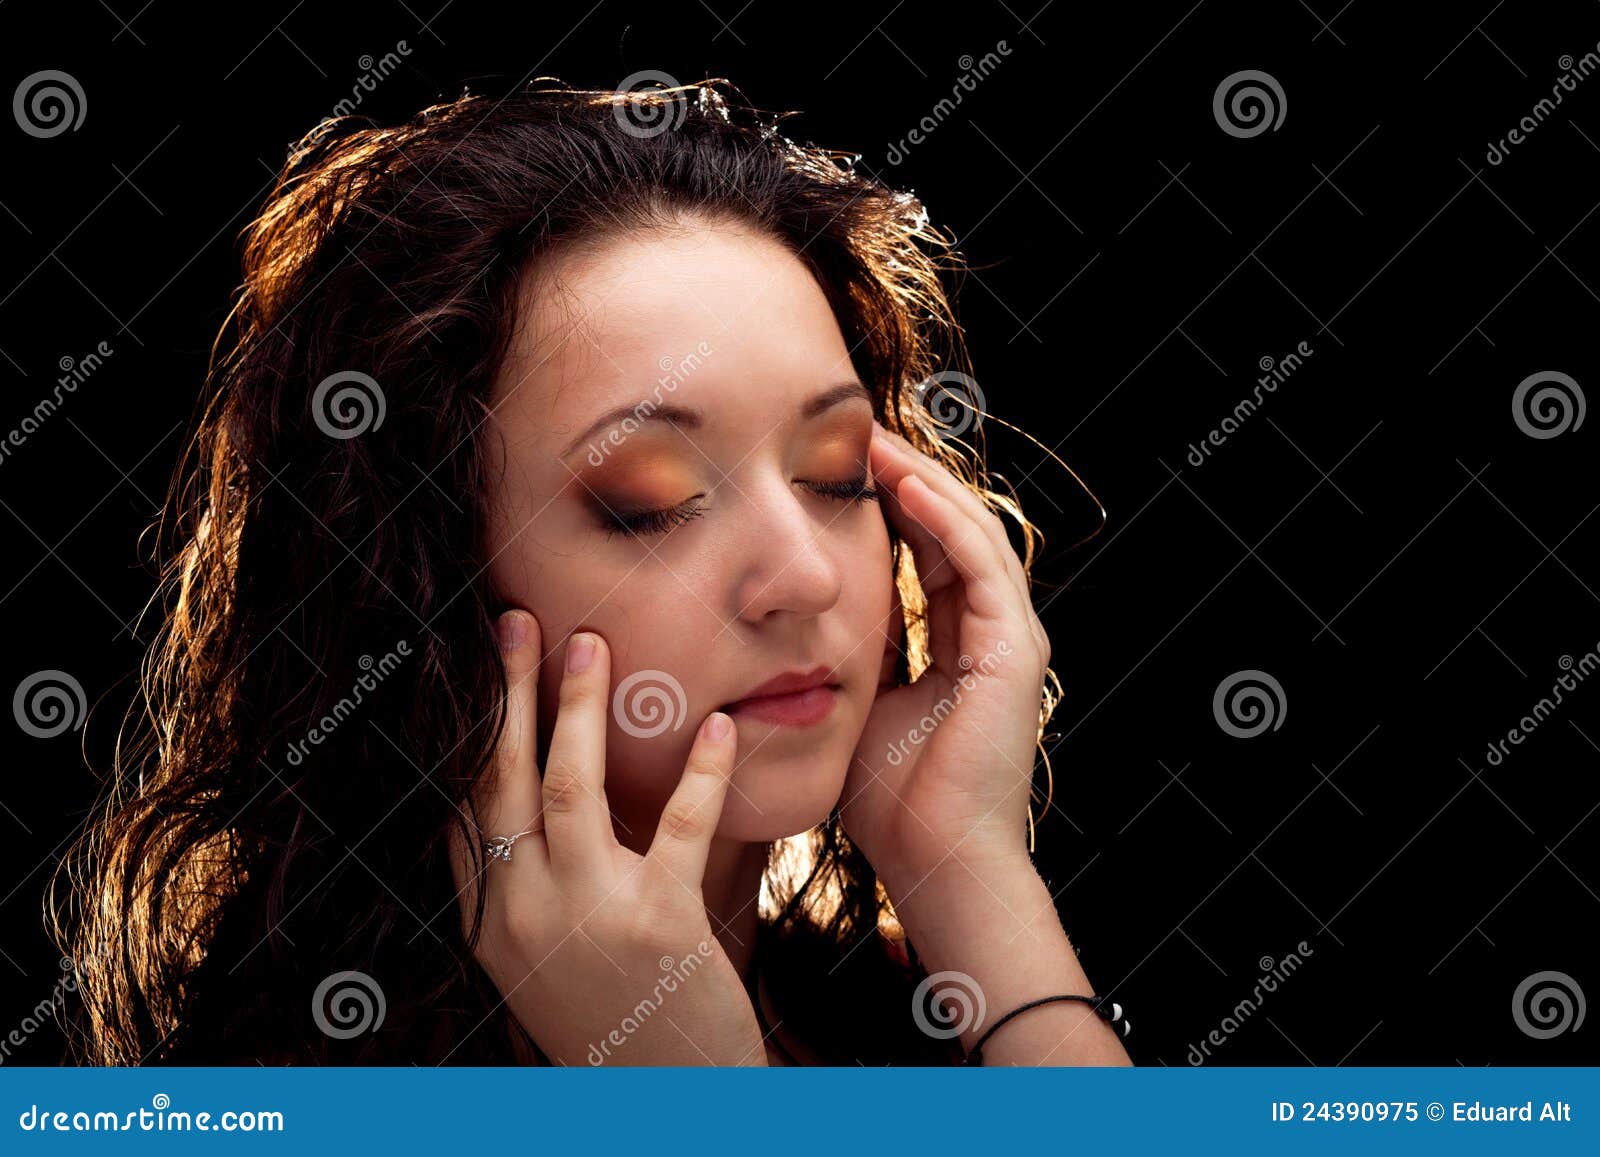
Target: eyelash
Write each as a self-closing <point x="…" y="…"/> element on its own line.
<point x="651" y="522"/>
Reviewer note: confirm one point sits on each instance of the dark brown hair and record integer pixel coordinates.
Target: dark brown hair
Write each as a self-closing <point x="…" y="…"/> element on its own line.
<point x="325" y="688"/>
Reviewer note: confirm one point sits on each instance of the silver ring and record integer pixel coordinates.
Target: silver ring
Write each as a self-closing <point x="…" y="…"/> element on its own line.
<point x="499" y="847"/>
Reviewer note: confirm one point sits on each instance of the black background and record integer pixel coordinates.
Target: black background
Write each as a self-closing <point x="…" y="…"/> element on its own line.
<point x="1380" y="537"/>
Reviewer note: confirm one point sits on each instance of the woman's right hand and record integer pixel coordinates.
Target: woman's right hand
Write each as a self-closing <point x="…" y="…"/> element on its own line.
<point x="581" y="934"/>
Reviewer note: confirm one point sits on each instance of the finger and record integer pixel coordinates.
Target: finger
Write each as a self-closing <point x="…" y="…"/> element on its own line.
<point x="682" y="841"/>
<point x="894" y="463"/>
<point x="506" y="800"/>
<point x="986" y="590"/>
<point x="900" y="458"/>
<point x="577" y="823"/>
<point x="903" y="457"/>
<point x="962" y="543"/>
<point x="933" y="571"/>
<point x="513" y="804"/>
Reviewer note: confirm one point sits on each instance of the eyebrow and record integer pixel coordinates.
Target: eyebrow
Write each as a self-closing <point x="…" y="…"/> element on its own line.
<point x="688" y="418"/>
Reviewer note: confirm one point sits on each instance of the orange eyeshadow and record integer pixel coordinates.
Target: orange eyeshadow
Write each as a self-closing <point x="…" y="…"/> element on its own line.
<point x="642" y="483"/>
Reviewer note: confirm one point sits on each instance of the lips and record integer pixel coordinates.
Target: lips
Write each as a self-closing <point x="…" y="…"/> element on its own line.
<point x="793" y="699"/>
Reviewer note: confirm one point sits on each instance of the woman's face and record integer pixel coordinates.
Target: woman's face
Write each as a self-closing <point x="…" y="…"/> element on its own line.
<point x="683" y="435"/>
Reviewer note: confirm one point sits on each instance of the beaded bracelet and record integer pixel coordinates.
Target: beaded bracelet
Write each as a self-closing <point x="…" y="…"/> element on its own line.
<point x="1112" y="1016"/>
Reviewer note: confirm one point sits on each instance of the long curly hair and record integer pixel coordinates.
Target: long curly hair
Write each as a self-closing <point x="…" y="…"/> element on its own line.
<point x="324" y="688"/>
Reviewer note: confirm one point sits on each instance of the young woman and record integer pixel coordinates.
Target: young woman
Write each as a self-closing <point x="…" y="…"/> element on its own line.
<point x="588" y="642"/>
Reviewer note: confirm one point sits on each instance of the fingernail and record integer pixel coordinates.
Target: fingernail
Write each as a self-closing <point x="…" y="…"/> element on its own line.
<point x="716" y="726"/>
<point x="511" y="629"/>
<point x="580" y="653"/>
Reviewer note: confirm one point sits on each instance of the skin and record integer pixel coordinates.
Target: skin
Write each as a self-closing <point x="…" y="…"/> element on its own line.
<point x="649" y="842"/>
<point x="698" y="604"/>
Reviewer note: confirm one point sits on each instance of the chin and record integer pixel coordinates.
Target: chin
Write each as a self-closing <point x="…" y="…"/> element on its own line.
<point x="773" y="798"/>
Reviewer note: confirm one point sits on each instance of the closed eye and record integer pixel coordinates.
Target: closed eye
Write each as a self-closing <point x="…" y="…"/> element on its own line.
<point x="642" y="523"/>
<point x="853" y="490"/>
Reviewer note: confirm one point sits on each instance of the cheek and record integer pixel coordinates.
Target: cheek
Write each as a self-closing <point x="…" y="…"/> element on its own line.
<point x="650" y="728"/>
<point x="657" y="652"/>
<point x="650" y="720"/>
<point x="523" y="565"/>
<point x="643" y="769"/>
<point x="868" y="604"/>
<point x="870" y="555"/>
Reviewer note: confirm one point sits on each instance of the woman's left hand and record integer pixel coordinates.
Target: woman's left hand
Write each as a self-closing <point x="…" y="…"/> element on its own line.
<point x="945" y="765"/>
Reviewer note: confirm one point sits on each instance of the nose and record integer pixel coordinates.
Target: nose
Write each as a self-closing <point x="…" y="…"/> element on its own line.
<point x="788" y="562"/>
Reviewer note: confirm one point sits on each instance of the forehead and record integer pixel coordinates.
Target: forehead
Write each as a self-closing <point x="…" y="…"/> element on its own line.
<point x="712" y="315"/>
